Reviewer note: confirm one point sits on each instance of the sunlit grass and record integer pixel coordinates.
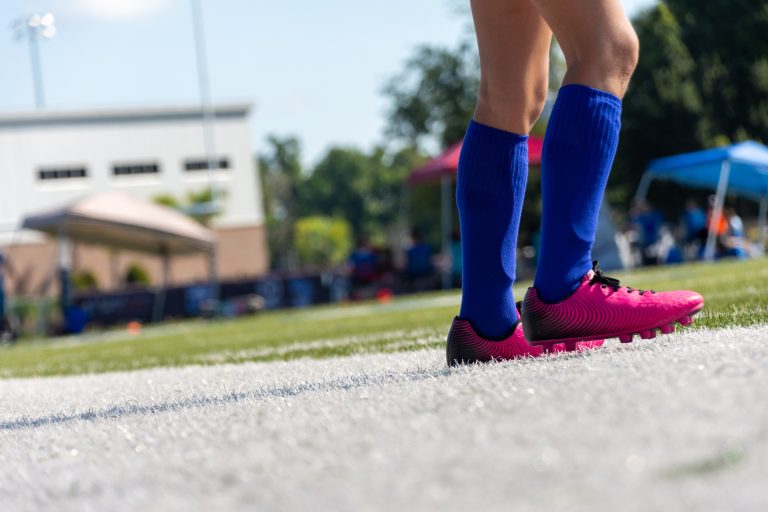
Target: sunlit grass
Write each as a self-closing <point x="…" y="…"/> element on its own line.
<point x="736" y="293"/>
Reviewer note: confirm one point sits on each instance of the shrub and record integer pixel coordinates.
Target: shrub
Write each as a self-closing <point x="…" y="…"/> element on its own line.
<point x="322" y="241"/>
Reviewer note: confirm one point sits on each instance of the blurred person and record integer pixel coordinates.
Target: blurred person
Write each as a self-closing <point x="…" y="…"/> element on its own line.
<point x="648" y="222"/>
<point x="735" y="242"/>
<point x="720" y="226"/>
<point x="571" y="301"/>
<point x="362" y="263"/>
<point x="418" y="261"/>
<point x="694" y="221"/>
<point x="735" y="224"/>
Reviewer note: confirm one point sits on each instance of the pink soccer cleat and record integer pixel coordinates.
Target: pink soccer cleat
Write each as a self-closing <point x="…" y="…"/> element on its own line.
<point x="465" y="346"/>
<point x="600" y="308"/>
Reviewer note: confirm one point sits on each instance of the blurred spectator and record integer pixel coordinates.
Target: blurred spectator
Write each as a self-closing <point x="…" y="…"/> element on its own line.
<point x="735" y="243"/>
<point x="362" y="262"/>
<point x="648" y="221"/>
<point x="694" y="221"/>
<point x="721" y="228"/>
<point x="722" y="224"/>
<point x="418" y="266"/>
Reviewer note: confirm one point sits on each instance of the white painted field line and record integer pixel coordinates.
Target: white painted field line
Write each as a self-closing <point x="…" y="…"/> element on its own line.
<point x="668" y="424"/>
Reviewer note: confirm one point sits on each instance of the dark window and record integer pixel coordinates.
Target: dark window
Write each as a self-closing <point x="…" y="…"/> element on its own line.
<point x="141" y="168"/>
<point x="201" y="164"/>
<point x="62" y="173"/>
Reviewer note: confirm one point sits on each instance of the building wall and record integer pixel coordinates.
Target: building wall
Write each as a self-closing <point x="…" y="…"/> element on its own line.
<point x="32" y="266"/>
<point x="99" y="140"/>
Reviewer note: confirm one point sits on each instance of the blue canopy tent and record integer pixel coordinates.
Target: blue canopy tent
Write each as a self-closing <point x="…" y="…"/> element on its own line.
<point x="740" y="169"/>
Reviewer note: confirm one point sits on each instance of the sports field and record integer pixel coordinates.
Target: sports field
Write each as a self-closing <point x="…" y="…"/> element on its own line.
<point x="352" y="408"/>
<point x="736" y="294"/>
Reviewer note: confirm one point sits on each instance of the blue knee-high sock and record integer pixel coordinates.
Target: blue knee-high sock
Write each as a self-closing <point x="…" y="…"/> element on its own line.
<point x="579" y="147"/>
<point x="493" y="171"/>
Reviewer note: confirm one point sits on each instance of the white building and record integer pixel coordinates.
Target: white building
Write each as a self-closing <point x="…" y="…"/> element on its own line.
<point x="48" y="158"/>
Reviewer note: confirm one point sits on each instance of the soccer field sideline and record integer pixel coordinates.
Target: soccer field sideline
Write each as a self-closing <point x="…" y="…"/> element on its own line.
<point x="735" y="292"/>
<point x="678" y="423"/>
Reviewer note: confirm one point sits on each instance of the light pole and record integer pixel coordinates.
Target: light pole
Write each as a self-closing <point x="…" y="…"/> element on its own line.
<point x="206" y="103"/>
<point x="209" y="134"/>
<point x="32" y="28"/>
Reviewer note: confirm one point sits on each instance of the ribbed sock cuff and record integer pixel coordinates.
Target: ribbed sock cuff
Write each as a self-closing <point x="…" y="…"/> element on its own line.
<point x="496" y="155"/>
<point x="584" y="117"/>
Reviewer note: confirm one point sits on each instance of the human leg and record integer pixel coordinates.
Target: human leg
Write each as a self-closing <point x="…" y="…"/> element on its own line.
<point x="514" y="44"/>
<point x="582" y="135"/>
<point x="571" y="299"/>
<point x="513" y="41"/>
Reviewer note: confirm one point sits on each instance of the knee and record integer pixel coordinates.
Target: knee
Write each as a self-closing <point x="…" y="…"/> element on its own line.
<point x="536" y="102"/>
<point x="514" y="110"/>
<point x="607" y="60"/>
<point x="624" y="48"/>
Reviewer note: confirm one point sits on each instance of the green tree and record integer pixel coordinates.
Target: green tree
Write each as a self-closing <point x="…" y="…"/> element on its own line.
<point x="167" y="200"/>
<point x="84" y="280"/>
<point x="663" y="106"/>
<point x="196" y="204"/>
<point x="727" y="39"/>
<point x="137" y="275"/>
<point x="434" y="96"/>
<point x="281" y="180"/>
<point x="701" y="81"/>
<point x="322" y="241"/>
<point x="364" y="188"/>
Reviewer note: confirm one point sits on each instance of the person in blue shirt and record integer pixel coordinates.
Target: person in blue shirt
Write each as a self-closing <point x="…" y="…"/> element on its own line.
<point x="362" y="262"/>
<point x="694" y="221"/>
<point x="648" y="222"/>
<point x="418" y="258"/>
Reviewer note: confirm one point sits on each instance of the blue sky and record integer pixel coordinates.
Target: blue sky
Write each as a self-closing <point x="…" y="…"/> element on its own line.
<point x="314" y="69"/>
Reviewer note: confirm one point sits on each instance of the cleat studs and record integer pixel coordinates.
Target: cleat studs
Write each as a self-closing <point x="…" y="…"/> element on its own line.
<point x="686" y="320"/>
<point x="667" y="329"/>
<point x="570" y="346"/>
<point x="625" y="338"/>
<point x="648" y="335"/>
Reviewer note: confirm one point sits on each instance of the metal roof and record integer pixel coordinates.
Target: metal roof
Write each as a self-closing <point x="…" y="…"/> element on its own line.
<point x="46" y="117"/>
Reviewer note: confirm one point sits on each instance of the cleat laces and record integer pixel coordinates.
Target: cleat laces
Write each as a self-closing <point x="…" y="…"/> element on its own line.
<point x="610" y="282"/>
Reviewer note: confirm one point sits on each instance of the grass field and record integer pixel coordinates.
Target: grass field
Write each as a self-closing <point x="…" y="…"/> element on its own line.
<point x="673" y="423"/>
<point x="736" y="294"/>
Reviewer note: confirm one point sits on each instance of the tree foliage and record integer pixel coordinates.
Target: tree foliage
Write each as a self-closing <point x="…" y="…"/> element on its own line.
<point x="197" y="203"/>
<point x="727" y="39"/>
<point x="435" y="94"/>
<point x="701" y="81"/>
<point x="281" y="180"/>
<point x="364" y="188"/>
<point x="322" y="241"/>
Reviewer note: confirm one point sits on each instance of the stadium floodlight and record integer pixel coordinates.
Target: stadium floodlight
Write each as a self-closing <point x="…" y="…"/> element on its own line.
<point x="32" y="28"/>
<point x="208" y="117"/>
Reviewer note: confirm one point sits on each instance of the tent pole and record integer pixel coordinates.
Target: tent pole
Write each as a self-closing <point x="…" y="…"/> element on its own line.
<point x="446" y="224"/>
<point x="717" y="211"/>
<point x="213" y="277"/>
<point x="160" y="295"/>
<point x="65" y="266"/>
<point x="642" y="188"/>
<point x="762" y="227"/>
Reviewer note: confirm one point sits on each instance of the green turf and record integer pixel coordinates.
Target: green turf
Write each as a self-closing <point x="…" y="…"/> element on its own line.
<point x="736" y="293"/>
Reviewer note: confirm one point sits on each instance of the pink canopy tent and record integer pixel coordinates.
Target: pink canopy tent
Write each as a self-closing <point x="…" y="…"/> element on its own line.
<point x="442" y="170"/>
<point x="448" y="162"/>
